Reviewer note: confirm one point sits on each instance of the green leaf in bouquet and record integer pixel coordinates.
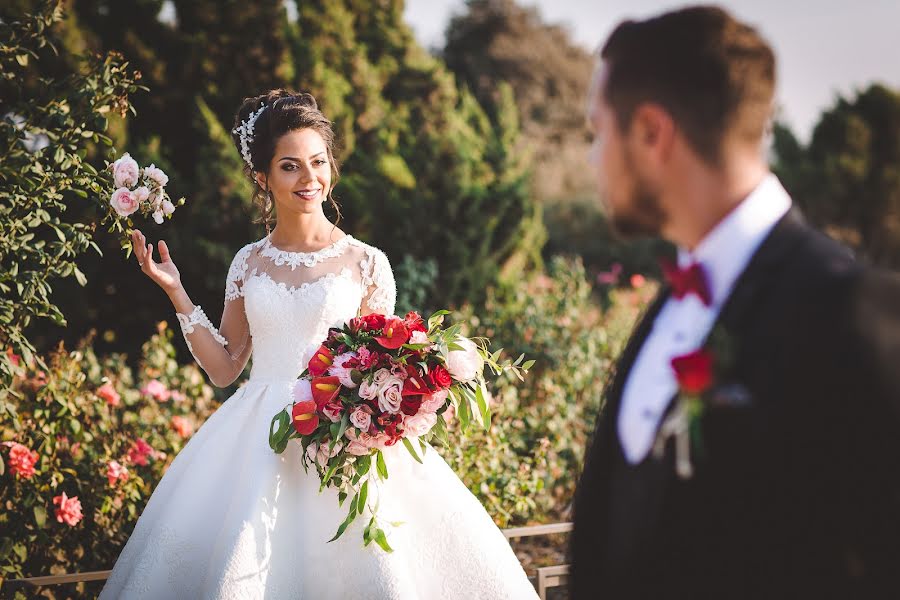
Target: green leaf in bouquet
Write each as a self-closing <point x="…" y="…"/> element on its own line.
<point x="422" y="446"/>
<point x="440" y="431"/>
<point x="341" y="497"/>
<point x="345" y="422"/>
<point x="328" y="474"/>
<point x="453" y="346"/>
<point x="381" y="540"/>
<point x="411" y="450"/>
<point x="363" y="464"/>
<point x="480" y="398"/>
<point x="436" y="319"/>
<point x="380" y="466"/>
<point x="279" y="436"/>
<point x="351" y="515"/>
<point x="367" y="532"/>
<point x="363" y="496"/>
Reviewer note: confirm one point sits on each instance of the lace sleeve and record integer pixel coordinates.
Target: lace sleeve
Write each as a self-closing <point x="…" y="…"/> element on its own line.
<point x="378" y="281"/>
<point x="234" y="283"/>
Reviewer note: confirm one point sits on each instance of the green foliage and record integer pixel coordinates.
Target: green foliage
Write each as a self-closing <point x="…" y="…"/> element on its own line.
<point x="848" y="178"/>
<point x="51" y="124"/>
<point x="75" y="433"/>
<point x="525" y="468"/>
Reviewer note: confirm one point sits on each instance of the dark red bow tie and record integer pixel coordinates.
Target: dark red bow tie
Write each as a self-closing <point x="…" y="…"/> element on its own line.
<point x="688" y="280"/>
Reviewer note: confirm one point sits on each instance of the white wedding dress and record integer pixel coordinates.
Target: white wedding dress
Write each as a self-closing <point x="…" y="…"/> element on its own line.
<point x="231" y="519"/>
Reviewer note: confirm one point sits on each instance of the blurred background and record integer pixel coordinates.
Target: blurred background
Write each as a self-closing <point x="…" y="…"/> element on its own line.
<point x="463" y="151"/>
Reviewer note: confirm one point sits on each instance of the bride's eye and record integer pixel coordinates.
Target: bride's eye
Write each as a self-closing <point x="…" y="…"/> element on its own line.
<point x="320" y="162"/>
<point x="288" y="167"/>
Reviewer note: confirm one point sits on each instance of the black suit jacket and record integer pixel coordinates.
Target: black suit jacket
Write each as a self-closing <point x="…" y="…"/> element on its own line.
<point x="797" y="494"/>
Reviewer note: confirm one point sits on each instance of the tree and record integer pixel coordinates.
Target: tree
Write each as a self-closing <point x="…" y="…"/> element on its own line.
<point x="848" y="178"/>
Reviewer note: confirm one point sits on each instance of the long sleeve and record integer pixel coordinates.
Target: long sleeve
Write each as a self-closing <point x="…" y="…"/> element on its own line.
<point x="378" y="280"/>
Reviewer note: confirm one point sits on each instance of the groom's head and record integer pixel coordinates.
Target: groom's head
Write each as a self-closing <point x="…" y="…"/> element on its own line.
<point x="676" y="98"/>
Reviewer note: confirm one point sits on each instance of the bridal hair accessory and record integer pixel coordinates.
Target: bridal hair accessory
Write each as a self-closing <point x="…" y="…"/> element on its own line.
<point x="245" y="132"/>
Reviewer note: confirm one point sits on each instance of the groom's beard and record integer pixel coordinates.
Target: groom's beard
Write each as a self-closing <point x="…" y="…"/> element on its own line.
<point x="643" y="216"/>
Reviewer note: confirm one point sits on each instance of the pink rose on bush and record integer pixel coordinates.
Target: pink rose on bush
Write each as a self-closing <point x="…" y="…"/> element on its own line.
<point x="124" y="202"/>
<point x="21" y="460"/>
<point x="157" y="390"/>
<point x="167" y="207"/>
<point x="156" y="174"/>
<point x="126" y="171"/>
<point x="182" y="426"/>
<point x="108" y="392"/>
<point x="69" y="511"/>
<point x="433" y="402"/>
<point x="116" y="472"/>
<point x="419" y="424"/>
<point x="139" y="452"/>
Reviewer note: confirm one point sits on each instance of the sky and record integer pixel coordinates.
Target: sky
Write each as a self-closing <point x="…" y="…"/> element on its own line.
<point x="823" y="47"/>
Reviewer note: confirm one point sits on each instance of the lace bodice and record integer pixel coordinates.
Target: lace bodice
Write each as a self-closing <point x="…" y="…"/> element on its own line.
<point x="290" y="299"/>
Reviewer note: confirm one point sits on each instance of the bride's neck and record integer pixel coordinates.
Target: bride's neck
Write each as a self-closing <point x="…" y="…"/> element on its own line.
<point x="304" y="232"/>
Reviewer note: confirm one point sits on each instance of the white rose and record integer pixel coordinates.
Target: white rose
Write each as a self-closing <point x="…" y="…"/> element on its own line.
<point x="156" y="174"/>
<point x="466" y="364"/>
<point x="125" y="171"/>
<point x="167" y="207"/>
<point x="390" y="395"/>
<point x="419" y="424"/>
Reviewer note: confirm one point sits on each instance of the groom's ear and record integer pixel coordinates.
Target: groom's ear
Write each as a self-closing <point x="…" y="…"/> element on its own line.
<point x="652" y="131"/>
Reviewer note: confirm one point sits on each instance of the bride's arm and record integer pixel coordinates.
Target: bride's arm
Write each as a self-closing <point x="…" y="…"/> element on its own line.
<point x="222" y="352"/>
<point x="380" y="287"/>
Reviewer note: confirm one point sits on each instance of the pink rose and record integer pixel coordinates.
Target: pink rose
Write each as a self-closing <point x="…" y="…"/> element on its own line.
<point x="108" y="392"/>
<point x="361" y="418"/>
<point x="320" y="453"/>
<point x="368" y="391"/>
<point x="390" y="395"/>
<point x="381" y="375"/>
<point x="124" y="202"/>
<point x="418" y="337"/>
<point x="182" y="426"/>
<point x="337" y="369"/>
<point x="433" y="402"/>
<point x="332" y="411"/>
<point x="21" y="460"/>
<point x="139" y="452"/>
<point x="156" y="174"/>
<point x="142" y="193"/>
<point x="177" y="396"/>
<point x="69" y="510"/>
<point x="116" y="472"/>
<point x="158" y="217"/>
<point x="419" y="424"/>
<point x="125" y="171"/>
<point x="157" y="390"/>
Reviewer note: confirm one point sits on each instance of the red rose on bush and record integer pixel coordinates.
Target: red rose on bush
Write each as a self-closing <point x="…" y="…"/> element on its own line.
<point x="694" y="371"/>
<point x="439" y="377"/>
<point x="395" y="334"/>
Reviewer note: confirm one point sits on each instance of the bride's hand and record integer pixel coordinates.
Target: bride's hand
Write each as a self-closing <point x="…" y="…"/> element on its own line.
<point x="164" y="273"/>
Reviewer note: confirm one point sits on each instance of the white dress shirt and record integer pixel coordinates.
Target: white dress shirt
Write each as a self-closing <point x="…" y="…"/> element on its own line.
<point x="682" y="325"/>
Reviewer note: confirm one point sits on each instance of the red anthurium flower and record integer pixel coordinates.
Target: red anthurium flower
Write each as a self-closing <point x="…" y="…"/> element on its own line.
<point x="320" y="362"/>
<point x="325" y="389"/>
<point x="395" y="334"/>
<point x="304" y="418"/>
<point x="414" y="384"/>
<point x="694" y="371"/>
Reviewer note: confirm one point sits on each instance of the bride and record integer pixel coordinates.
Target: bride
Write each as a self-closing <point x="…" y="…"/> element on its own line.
<point x="230" y="518"/>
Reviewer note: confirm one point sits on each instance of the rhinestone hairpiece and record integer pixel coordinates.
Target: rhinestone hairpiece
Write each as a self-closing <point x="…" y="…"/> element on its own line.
<point x="245" y="133"/>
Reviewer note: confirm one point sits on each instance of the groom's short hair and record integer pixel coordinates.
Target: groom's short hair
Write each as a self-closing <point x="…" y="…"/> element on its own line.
<point x="712" y="73"/>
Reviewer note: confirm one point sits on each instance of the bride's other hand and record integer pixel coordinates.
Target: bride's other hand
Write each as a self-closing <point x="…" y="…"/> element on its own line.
<point x="164" y="273"/>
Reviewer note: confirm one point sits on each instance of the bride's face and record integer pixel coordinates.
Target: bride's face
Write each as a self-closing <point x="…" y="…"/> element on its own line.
<point x="299" y="177"/>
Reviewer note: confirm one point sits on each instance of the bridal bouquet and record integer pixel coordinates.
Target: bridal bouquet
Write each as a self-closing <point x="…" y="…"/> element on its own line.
<point x="377" y="381"/>
<point x="133" y="188"/>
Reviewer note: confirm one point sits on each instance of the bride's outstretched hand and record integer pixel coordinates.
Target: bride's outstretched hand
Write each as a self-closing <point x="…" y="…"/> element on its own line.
<point x="164" y="273"/>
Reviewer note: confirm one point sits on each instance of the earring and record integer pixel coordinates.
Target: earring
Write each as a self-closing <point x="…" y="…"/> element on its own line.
<point x="268" y="215"/>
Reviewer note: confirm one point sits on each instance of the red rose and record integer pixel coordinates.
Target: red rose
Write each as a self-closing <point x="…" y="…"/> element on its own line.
<point x="304" y="418"/>
<point x="694" y="371"/>
<point x="320" y="362"/>
<point x="324" y="390"/>
<point x="395" y="334"/>
<point x="414" y="322"/>
<point x="373" y="321"/>
<point x="439" y="377"/>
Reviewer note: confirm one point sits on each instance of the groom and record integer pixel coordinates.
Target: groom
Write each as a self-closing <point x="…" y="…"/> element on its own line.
<point x="768" y="465"/>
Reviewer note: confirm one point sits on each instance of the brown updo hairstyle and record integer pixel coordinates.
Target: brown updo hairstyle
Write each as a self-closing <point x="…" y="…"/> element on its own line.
<point x="285" y="111"/>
